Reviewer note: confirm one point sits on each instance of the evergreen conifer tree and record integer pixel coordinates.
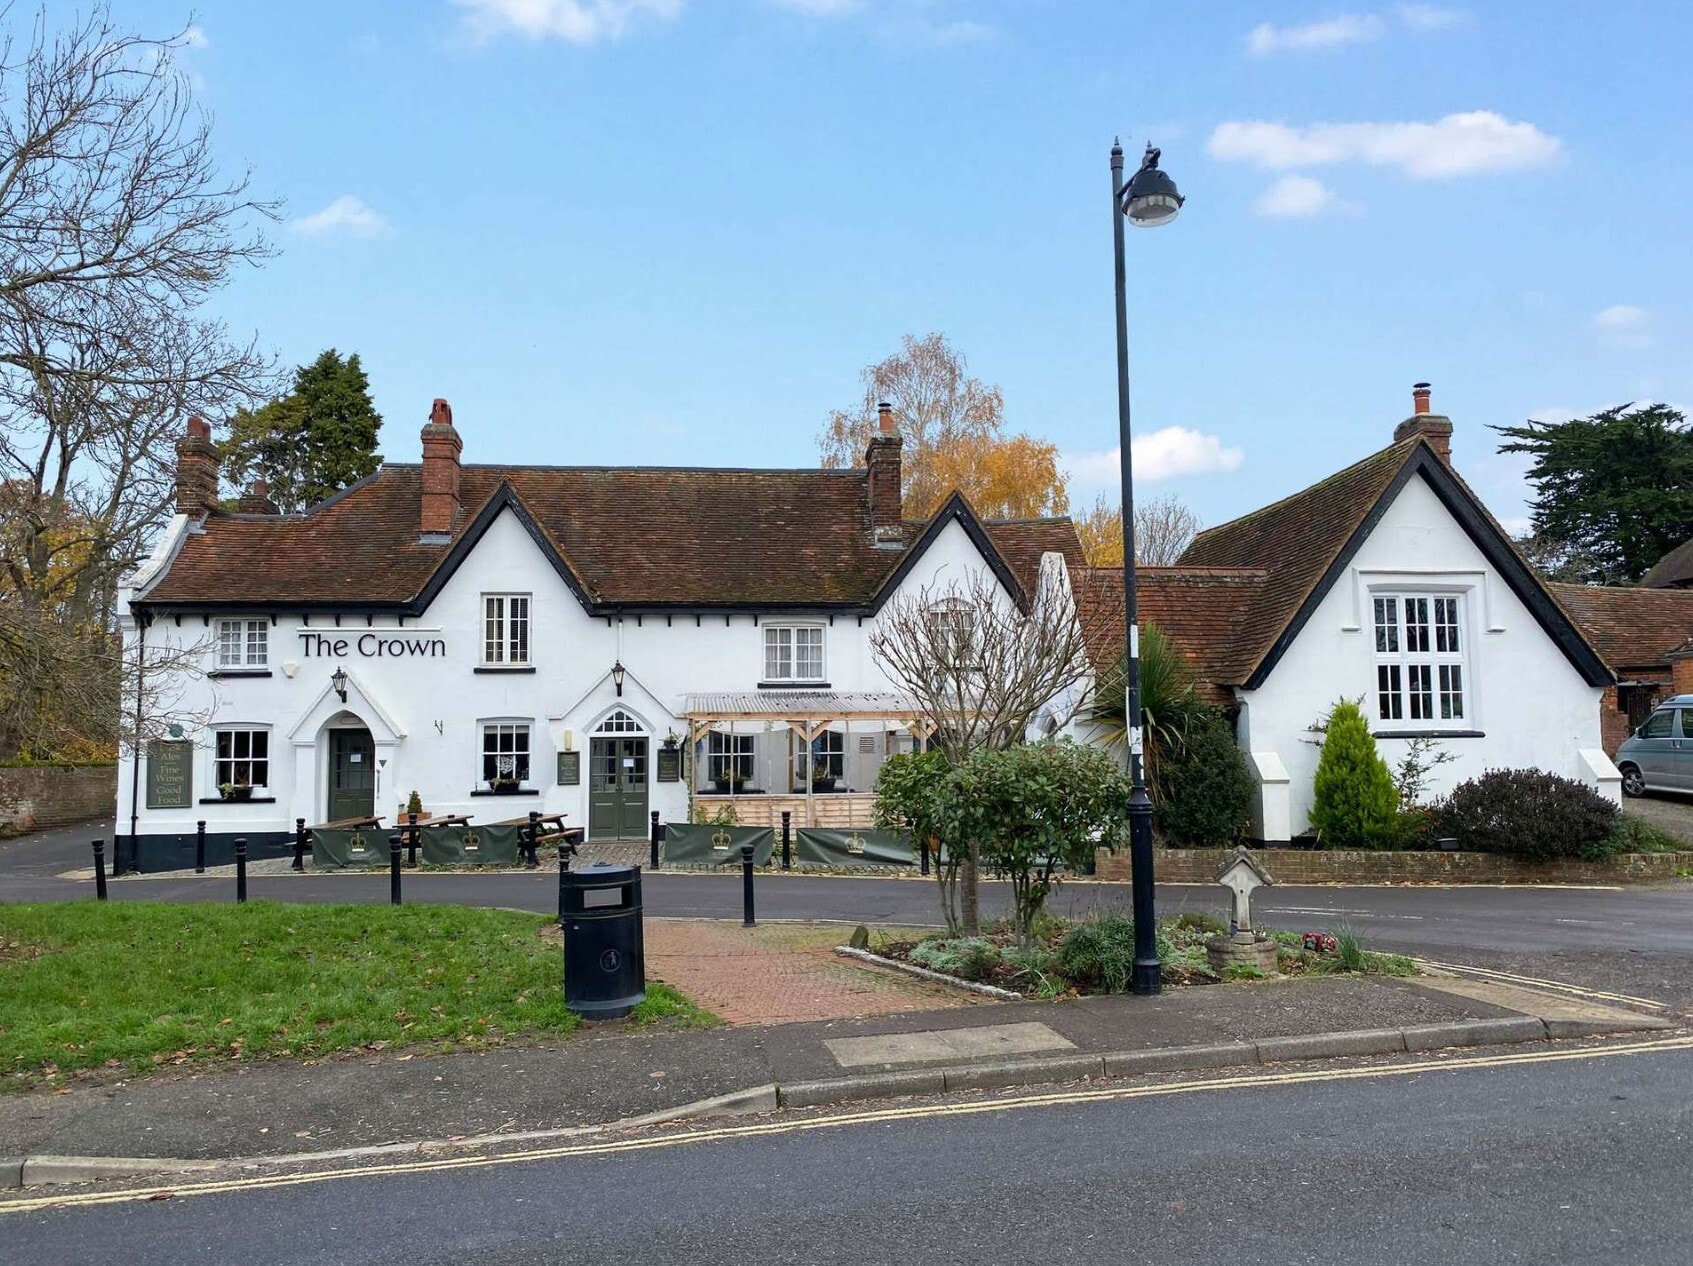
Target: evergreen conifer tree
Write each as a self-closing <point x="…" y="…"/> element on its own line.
<point x="1355" y="804"/>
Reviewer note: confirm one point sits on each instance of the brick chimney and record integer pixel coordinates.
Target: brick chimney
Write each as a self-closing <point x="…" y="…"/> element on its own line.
<point x="197" y="461"/>
<point x="256" y="500"/>
<point x="882" y="457"/>
<point x="441" y="448"/>
<point x="1436" y="428"/>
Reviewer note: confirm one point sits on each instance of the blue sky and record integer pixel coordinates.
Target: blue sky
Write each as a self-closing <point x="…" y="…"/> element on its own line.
<point x="673" y="231"/>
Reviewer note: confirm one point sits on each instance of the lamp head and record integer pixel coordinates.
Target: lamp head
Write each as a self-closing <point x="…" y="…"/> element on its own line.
<point x="338" y="680"/>
<point x="617" y="673"/>
<point x="1150" y="198"/>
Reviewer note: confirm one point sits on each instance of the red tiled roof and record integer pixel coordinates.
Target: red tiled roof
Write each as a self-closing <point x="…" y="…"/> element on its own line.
<point x="1195" y="607"/>
<point x="1295" y="542"/>
<point x="1630" y="627"/>
<point x="628" y="535"/>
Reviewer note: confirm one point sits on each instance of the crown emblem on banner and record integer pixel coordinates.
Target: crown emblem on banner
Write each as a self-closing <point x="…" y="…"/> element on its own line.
<point x="470" y="840"/>
<point x="720" y="841"/>
<point x="855" y="843"/>
<point x="355" y="842"/>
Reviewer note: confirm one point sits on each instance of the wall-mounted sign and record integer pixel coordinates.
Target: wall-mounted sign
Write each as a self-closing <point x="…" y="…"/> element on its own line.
<point x="670" y="764"/>
<point x="569" y="769"/>
<point x="379" y="644"/>
<point x="170" y="774"/>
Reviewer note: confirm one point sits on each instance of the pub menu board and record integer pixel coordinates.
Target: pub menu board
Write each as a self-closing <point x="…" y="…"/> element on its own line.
<point x="170" y="774"/>
<point x="569" y="769"/>
<point x="670" y="764"/>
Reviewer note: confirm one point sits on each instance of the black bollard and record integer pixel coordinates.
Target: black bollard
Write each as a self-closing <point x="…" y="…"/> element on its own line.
<point x="100" y="870"/>
<point x="531" y="861"/>
<point x="240" y="868"/>
<point x="923" y="853"/>
<point x="787" y="841"/>
<point x="653" y="837"/>
<point x="563" y="870"/>
<point x="299" y="843"/>
<point x="747" y="920"/>
<point x="411" y="840"/>
<point x="200" y="847"/>
<point x="394" y="869"/>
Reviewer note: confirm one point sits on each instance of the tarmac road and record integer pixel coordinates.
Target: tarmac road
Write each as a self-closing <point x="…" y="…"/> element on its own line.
<point x="1575" y="1161"/>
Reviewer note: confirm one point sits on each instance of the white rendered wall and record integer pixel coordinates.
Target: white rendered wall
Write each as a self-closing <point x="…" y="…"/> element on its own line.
<point x="425" y="713"/>
<point x="1524" y="696"/>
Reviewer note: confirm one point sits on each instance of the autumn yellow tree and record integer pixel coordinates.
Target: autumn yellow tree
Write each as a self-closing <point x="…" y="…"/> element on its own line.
<point x="953" y="426"/>
<point x="1163" y="528"/>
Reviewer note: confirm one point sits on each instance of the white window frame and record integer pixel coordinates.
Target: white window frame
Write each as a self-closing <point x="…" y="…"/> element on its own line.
<point x="508" y="630"/>
<point x="827" y="747"/>
<point x="1422" y="670"/>
<point x="225" y="768"/>
<point x="523" y="771"/>
<point x="782" y="642"/>
<point x="243" y="642"/>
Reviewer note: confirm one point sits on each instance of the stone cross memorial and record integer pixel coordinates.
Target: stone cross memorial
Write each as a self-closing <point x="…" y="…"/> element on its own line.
<point x="1242" y="877"/>
<point x="1240" y="946"/>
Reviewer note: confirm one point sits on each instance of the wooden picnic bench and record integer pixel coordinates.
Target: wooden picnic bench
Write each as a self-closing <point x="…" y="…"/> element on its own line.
<point x="347" y="824"/>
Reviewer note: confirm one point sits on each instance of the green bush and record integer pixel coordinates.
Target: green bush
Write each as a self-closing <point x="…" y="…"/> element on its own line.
<point x="1355" y="804"/>
<point x="1531" y="815"/>
<point x="1100" y="953"/>
<point x="1631" y="835"/>
<point x="1205" y="787"/>
<point x="967" y="957"/>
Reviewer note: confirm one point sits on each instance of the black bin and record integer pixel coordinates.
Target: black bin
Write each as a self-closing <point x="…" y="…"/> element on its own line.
<point x="605" y="970"/>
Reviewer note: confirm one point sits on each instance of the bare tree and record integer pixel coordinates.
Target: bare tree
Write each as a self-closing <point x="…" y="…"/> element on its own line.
<point x="115" y="229"/>
<point x="1164" y="528"/>
<point x="985" y="673"/>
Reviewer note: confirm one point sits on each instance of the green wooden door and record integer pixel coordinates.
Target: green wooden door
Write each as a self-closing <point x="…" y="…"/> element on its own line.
<point x="617" y="789"/>
<point x="352" y="775"/>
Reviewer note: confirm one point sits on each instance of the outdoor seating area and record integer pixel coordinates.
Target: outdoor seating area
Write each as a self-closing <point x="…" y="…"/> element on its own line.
<point x="446" y="840"/>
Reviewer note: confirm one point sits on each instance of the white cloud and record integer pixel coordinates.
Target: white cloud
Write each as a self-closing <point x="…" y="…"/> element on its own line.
<point x="195" y="37"/>
<point x="1427" y="18"/>
<point x="1624" y="325"/>
<point x="1349" y="28"/>
<point x="1457" y="145"/>
<point x="1167" y="453"/>
<point x="1294" y="198"/>
<point x="575" y="21"/>
<point x="346" y="214"/>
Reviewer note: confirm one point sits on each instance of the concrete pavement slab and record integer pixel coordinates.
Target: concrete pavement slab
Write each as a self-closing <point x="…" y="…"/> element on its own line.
<point x="986" y="1041"/>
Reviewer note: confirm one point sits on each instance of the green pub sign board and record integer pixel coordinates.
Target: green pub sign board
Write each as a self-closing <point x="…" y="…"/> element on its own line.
<point x="569" y="769"/>
<point x="670" y="764"/>
<point x="170" y="774"/>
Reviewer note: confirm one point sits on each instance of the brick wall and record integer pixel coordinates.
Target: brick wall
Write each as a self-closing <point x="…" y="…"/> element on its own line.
<point x="1312" y="866"/>
<point x="43" y="796"/>
<point x="1681" y="672"/>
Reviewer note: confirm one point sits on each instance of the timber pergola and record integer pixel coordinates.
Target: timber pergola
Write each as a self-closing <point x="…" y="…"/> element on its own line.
<point x="806" y="713"/>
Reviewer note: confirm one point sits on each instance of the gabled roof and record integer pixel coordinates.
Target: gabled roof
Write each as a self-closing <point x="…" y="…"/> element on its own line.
<point x="1673" y="571"/>
<point x="620" y="537"/>
<point x="1631" y="628"/>
<point x="1305" y="542"/>
<point x="1196" y="607"/>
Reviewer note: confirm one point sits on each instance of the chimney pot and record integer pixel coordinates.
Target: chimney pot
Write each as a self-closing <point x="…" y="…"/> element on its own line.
<point x="1435" y="429"/>
<point x="1419" y="397"/>
<point x="885" y="419"/>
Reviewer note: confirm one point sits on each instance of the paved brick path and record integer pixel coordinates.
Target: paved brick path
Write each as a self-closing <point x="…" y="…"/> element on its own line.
<point x="780" y="974"/>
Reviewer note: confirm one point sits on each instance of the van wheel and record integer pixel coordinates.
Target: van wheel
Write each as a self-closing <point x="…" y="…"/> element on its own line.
<point x="1632" y="783"/>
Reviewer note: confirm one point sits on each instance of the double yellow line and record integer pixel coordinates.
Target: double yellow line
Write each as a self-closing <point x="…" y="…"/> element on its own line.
<point x="765" y="1129"/>
<point x="1536" y="982"/>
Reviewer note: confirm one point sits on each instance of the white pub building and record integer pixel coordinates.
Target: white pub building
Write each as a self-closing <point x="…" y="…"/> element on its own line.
<point x="601" y="642"/>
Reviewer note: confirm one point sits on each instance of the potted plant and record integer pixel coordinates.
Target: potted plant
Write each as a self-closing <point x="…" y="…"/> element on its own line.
<point x="414" y="809"/>
<point x="728" y="781"/>
<point x="505" y="781"/>
<point x="822" y="779"/>
<point x="235" y="791"/>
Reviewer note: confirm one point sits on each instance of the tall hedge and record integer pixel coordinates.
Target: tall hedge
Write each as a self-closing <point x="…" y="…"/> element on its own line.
<point x="1355" y="803"/>
<point x="1205" y="789"/>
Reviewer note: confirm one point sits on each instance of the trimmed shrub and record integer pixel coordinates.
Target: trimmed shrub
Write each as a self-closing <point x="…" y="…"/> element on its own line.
<point x="968" y="957"/>
<point x="1355" y="804"/>
<point x="1531" y="815"/>
<point x="1631" y="835"/>
<point x="1205" y="787"/>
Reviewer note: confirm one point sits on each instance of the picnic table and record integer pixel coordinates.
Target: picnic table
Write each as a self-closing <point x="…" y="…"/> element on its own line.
<point x="348" y="824"/>
<point x="556" y="832"/>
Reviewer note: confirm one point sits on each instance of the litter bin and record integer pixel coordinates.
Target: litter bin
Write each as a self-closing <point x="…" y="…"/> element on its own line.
<point x="605" y="972"/>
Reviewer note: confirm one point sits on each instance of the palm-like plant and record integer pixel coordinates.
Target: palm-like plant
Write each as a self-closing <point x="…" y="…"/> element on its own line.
<point x="1168" y="701"/>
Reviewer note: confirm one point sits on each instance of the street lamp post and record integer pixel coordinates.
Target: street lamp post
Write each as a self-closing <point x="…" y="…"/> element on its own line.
<point x="1147" y="200"/>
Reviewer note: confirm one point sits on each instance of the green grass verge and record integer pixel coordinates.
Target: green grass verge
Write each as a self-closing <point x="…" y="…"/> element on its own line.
<point x="126" y="987"/>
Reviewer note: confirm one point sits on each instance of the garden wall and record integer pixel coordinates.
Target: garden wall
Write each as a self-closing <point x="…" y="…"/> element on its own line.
<point x="36" y="797"/>
<point x="1324" y="866"/>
